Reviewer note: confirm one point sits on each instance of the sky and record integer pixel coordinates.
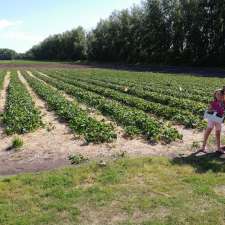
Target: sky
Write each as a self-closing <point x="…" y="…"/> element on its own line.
<point x="24" y="23"/>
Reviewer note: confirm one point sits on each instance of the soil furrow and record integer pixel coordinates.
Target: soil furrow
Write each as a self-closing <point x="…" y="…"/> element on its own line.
<point x="3" y="97"/>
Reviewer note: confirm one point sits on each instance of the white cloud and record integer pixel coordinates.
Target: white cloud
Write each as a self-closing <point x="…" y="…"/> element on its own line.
<point x="6" y="23"/>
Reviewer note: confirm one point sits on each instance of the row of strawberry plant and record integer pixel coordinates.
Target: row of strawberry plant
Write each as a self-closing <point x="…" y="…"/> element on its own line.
<point x="188" y="84"/>
<point x="195" y="107"/>
<point x="133" y="120"/>
<point x="166" y="112"/>
<point x="21" y="115"/>
<point x="160" y="89"/>
<point x="196" y="88"/>
<point x="154" y="85"/>
<point x="154" y="88"/>
<point x="78" y="120"/>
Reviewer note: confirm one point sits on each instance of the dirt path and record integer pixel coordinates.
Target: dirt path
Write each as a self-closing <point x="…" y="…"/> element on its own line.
<point x="49" y="147"/>
<point x="3" y="97"/>
<point x="4" y="91"/>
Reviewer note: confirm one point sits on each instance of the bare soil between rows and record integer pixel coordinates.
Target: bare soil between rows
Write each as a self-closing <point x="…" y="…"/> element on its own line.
<point x="46" y="150"/>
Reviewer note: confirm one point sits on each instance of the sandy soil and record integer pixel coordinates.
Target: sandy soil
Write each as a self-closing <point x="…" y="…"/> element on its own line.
<point x="49" y="147"/>
<point x="3" y="96"/>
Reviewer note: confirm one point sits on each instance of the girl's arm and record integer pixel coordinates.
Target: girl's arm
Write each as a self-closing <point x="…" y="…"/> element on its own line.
<point x="210" y="107"/>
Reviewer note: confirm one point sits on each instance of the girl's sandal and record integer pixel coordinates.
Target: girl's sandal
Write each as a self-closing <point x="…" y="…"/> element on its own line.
<point x="202" y="150"/>
<point x="221" y="151"/>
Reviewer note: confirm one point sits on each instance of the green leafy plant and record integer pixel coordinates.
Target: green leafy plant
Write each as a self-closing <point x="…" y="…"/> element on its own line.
<point x="138" y="91"/>
<point x="20" y="114"/>
<point x="17" y="143"/>
<point x="78" y="120"/>
<point x="196" y="145"/>
<point x="155" y="105"/>
<point x="77" y="159"/>
<point x="124" y="115"/>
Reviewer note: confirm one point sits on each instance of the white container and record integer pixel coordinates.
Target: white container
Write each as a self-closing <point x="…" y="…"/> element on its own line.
<point x="213" y="117"/>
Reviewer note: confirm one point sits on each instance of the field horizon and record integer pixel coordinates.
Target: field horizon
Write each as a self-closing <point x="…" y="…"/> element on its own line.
<point x="182" y="70"/>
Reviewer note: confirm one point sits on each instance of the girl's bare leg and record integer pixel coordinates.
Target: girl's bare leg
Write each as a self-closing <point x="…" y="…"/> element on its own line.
<point x="218" y="132"/>
<point x="206" y="136"/>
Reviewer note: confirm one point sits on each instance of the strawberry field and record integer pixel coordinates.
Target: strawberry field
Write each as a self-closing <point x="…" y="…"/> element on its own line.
<point x="52" y="118"/>
<point x="146" y="105"/>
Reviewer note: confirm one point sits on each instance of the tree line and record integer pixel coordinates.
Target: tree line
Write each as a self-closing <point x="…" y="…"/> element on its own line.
<point x="172" y="32"/>
<point x="7" y="54"/>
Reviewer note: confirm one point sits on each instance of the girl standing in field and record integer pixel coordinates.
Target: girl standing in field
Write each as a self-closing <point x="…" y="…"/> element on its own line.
<point x="217" y="105"/>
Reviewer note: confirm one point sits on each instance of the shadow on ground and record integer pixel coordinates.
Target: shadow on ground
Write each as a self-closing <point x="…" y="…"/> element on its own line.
<point x="203" y="162"/>
<point x="191" y="70"/>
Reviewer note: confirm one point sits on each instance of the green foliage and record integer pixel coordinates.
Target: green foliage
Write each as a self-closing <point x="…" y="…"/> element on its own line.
<point x="182" y="87"/>
<point x="70" y="45"/>
<point x="169" y="133"/>
<point x="7" y="54"/>
<point x="17" y="143"/>
<point x="167" y="107"/>
<point x="77" y="159"/>
<point x="123" y="115"/>
<point x="132" y="131"/>
<point x="78" y="119"/>
<point x="155" y="32"/>
<point x="191" y="94"/>
<point x="20" y="114"/>
<point x="162" y="32"/>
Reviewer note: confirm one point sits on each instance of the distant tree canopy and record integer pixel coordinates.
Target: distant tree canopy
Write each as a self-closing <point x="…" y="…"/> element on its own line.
<point x="7" y="54"/>
<point x="70" y="45"/>
<point x="156" y="32"/>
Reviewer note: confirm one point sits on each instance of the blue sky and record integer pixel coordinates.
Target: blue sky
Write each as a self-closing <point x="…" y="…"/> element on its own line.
<point x="24" y="23"/>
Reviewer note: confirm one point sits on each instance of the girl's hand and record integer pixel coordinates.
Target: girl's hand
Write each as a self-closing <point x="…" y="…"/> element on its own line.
<point x="210" y="108"/>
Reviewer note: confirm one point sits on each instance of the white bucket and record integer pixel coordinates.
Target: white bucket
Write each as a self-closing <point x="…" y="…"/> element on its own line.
<point x="213" y="117"/>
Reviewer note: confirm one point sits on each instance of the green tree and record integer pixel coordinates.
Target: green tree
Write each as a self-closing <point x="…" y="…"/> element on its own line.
<point x="7" y="54"/>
